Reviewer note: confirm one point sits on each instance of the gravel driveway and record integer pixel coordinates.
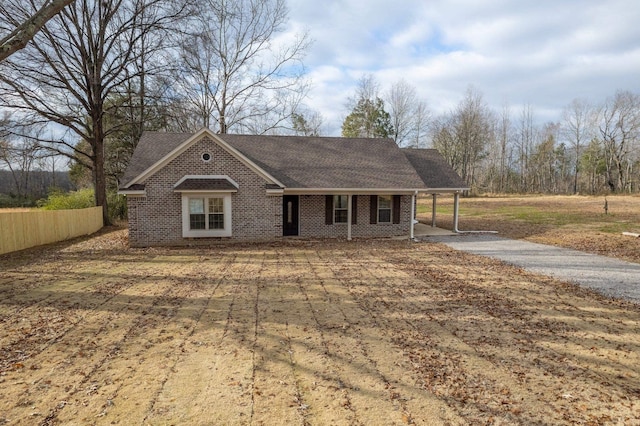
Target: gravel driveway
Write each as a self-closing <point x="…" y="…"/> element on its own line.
<point x="608" y="276"/>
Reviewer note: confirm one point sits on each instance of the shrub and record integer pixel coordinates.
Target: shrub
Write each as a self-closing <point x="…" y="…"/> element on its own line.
<point x="117" y="206"/>
<point x="83" y="198"/>
<point x="14" y="201"/>
<point x="58" y="200"/>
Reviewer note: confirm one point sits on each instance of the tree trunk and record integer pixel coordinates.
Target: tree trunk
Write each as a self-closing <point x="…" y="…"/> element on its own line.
<point x="99" y="178"/>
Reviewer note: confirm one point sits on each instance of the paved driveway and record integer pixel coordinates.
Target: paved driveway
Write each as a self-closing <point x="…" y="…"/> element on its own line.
<point x="611" y="277"/>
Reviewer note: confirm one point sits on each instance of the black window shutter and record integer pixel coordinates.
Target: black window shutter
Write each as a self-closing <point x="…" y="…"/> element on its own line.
<point x="396" y="209"/>
<point x="328" y="210"/>
<point x="354" y="209"/>
<point x="373" y="209"/>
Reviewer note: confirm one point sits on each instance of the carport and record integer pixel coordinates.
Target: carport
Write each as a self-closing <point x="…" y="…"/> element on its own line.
<point x="438" y="177"/>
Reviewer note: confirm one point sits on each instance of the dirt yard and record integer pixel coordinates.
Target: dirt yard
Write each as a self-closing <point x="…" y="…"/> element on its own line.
<point x="307" y="333"/>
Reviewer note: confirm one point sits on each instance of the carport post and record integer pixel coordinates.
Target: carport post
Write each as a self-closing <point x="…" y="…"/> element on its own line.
<point x="456" y="201"/>
<point x="433" y="211"/>
<point x="413" y="214"/>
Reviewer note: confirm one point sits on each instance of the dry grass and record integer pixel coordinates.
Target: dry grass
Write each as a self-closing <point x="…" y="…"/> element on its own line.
<point x="577" y="222"/>
<point x="308" y="333"/>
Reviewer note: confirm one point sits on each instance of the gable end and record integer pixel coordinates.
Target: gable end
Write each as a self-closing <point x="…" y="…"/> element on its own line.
<point x="198" y="136"/>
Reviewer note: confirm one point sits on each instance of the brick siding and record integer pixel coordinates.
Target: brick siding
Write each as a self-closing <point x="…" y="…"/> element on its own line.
<point x="312" y="220"/>
<point x="157" y="218"/>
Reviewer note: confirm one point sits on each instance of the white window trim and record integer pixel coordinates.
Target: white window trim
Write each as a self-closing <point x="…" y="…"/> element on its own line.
<point x="201" y="233"/>
<point x="335" y="208"/>
<point x="390" y="209"/>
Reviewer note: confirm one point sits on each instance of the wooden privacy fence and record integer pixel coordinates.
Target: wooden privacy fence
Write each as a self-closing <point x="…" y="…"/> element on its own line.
<point x="21" y="230"/>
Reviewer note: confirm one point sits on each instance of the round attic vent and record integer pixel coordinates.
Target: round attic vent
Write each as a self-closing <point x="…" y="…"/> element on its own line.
<point x="206" y="157"/>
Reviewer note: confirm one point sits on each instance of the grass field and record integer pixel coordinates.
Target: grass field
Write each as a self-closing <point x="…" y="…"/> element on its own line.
<point x="305" y="333"/>
<point x="577" y="222"/>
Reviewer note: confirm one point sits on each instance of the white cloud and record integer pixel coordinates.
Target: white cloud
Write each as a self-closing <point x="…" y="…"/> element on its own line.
<point x="541" y="52"/>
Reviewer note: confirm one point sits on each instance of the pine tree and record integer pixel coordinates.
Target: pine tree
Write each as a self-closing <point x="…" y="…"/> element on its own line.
<point x="368" y="119"/>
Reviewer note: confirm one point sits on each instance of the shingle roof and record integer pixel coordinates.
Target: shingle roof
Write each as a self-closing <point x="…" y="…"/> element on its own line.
<point x="433" y="169"/>
<point x="204" y="184"/>
<point x="324" y="162"/>
<point x="316" y="162"/>
<point x="151" y="147"/>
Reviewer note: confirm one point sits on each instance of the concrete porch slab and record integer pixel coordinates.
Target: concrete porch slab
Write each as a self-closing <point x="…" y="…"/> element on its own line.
<point x="421" y="230"/>
<point x="424" y="230"/>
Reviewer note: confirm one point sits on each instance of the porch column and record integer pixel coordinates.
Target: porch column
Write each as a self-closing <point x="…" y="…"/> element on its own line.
<point x="413" y="214"/>
<point x="349" y="214"/>
<point x="456" y="201"/>
<point x="433" y="211"/>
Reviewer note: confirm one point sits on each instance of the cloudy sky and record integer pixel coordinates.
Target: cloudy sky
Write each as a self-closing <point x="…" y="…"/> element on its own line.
<point x="543" y="53"/>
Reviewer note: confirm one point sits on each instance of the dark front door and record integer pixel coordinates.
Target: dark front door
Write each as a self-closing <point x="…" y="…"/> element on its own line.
<point x="290" y="214"/>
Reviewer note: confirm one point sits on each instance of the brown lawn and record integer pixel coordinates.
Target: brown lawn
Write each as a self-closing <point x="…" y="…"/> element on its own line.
<point x="306" y="333"/>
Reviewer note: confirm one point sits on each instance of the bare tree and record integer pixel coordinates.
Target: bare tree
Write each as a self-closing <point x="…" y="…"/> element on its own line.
<point x="422" y="120"/>
<point x="23" y="28"/>
<point x="409" y="115"/>
<point x="233" y="72"/>
<point x="462" y="137"/>
<point x="620" y="132"/>
<point x="80" y="59"/>
<point x="474" y="131"/>
<point x="578" y="131"/>
<point x="367" y="88"/>
<point x="401" y="100"/>
<point x="527" y="134"/>
<point x="495" y="170"/>
<point x="443" y="138"/>
<point x="504" y="136"/>
<point x="19" y="154"/>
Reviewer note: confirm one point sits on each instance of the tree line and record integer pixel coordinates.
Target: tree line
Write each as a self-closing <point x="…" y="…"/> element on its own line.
<point x="591" y="149"/>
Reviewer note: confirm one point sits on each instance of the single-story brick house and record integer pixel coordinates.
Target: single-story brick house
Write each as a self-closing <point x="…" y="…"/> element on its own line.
<point x="196" y="188"/>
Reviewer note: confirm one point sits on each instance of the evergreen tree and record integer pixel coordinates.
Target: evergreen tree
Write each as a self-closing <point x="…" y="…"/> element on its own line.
<point x="368" y="119"/>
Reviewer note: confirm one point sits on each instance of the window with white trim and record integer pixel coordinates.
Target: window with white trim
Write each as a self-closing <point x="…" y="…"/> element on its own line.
<point x="206" y="215"/>
<point x="340" y="208"/>
<point x="384" y="209"/>
<point x="216" y="213"/>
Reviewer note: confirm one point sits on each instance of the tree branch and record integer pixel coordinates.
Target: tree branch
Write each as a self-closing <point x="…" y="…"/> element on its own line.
<point x="19" y="37"/>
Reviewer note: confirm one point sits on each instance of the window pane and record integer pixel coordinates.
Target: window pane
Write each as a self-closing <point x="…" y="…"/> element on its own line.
<point x="341" y="216"/>
<point x="340" y="201"/>
<point x="216" y="221"/>
<point x="196" y="221"/>
<point x="216" y="205"/>
<point x="196" y="205"/>
<point x="340" y="206"/>
<point x="384" y="215"/>
<point x="384" y="202"/>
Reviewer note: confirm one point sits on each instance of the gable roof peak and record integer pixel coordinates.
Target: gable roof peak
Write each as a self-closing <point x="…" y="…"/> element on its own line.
<point x="156" y="149"/>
